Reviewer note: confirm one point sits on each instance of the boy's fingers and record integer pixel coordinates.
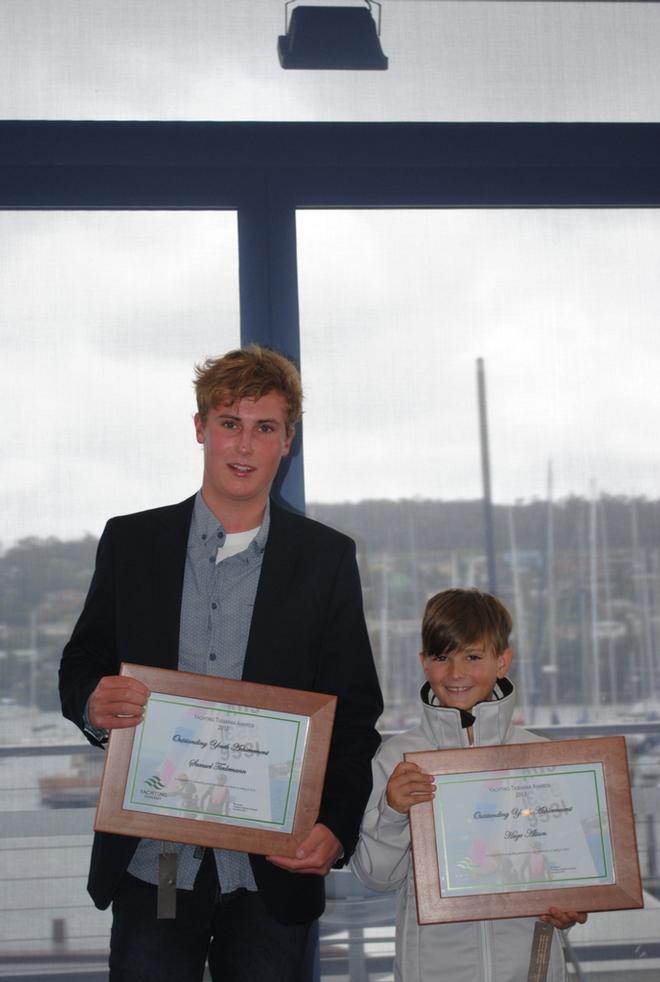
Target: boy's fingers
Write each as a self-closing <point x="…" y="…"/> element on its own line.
<point x="407" y="785"/>
<point x="409" y="791"/>
<point x="419" y="787"/>
<point x="117" y="701"/>
<point x="405" y="767"/>
<point x="563" y="918"/>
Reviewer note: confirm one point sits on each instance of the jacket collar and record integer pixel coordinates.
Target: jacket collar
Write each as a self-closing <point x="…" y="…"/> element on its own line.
<point x="491" y="721"/>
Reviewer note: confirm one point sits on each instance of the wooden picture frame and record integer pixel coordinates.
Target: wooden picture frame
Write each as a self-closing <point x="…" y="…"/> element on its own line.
<point x="217" y="698"/>
<point x="608" y="754"/>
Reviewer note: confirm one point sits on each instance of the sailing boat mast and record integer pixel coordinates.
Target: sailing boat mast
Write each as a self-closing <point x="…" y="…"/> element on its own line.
<point x="485" y="475"/>
<point x="607" y="587"/>
<point x="522" y="648"/>
<point x="640" y="578"/>
<point x="552" y="595"/>
<point x="593" y="584"/>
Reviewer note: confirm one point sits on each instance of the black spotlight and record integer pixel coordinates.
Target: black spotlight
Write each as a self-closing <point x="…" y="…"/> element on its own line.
<point x="332" y="38"/>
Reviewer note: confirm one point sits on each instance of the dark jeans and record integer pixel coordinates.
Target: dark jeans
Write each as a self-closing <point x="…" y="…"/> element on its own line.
<point x="242" y="941"/>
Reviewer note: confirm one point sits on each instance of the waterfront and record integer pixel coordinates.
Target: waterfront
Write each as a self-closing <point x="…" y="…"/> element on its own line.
<point x="44" y="853"/>
<point x="48" y="919"/>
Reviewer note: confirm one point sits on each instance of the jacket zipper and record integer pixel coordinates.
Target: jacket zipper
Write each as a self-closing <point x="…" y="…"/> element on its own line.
<point x="486" y="951"/>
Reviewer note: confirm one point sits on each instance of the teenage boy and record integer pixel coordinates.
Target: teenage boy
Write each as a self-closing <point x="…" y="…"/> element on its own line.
<point x="466" y="701"/>
<point x="227" y="583"/>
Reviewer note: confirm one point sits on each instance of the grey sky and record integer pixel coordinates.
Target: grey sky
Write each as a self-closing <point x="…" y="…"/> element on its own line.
<point x="216" y="59"/>
<point x="98" y="313"/>
<point x="397" y="306"/>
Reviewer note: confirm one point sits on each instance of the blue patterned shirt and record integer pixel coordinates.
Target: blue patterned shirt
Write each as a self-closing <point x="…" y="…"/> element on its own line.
<point x="216" y="613"/>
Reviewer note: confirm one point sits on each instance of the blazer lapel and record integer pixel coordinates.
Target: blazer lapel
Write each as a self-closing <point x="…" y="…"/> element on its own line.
<point x="280" y="558"/>
<point x="170" y="546"/>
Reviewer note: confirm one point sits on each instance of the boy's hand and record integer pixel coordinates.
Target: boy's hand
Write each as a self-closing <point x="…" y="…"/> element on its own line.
<point x="408" y="785"/>
<point x="563" y="919"/>
<point x="117" y="702"/>
<point x="316" y="854"/>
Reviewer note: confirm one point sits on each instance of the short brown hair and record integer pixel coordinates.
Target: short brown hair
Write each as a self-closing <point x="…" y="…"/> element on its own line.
<point x="248" y="373"/>
<point x="454" y="619"/>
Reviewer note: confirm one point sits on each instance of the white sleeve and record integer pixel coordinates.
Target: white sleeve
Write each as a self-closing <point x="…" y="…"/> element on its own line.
<point x="382" y="856"/>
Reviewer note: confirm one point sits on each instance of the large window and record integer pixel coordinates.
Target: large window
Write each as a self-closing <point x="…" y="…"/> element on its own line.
<point x="109" y="309"/>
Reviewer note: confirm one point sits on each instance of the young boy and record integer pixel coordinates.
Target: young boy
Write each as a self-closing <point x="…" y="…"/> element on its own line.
<point x="466" y="701"/>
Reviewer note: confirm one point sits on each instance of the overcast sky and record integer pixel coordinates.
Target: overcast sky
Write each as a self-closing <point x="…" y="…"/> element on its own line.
<point x="216" y="59"/>
<point x="103" y="315"/>
<point x="563" y="307"/>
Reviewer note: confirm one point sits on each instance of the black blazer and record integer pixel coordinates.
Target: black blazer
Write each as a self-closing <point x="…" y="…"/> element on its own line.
<point x="307" y="632"/>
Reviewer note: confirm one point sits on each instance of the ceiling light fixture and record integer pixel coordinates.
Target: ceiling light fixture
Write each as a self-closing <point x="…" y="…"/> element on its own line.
<point x="344" y="38"/>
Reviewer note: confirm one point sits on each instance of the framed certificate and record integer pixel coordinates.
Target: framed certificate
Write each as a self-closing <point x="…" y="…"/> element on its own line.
<point x="516" y="829"/>
<point x="218" y="763"/>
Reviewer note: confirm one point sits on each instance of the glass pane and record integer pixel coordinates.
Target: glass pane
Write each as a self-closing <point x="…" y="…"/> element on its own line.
<point x="561" y="307"/>
<point x="104" y="316"/>
<point x="206" y="60"/>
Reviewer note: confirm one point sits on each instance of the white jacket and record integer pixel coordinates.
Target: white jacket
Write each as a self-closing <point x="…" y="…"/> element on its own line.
<point x="469" y="951"/>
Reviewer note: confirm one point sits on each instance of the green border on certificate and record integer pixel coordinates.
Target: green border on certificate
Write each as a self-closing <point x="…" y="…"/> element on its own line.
<point x="217" y="762"/>
<point x="503" y="831"/>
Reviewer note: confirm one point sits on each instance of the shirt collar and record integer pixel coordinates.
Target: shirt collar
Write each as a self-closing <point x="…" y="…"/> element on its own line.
<point x="262" y="535"/>
<point x="207" y="533"/>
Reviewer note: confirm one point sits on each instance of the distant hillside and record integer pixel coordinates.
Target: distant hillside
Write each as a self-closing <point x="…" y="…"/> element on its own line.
<point x="36" y="568"/>
<point x="399" y="526"/>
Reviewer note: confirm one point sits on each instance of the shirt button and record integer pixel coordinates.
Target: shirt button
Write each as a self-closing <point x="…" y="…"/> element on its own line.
<point x="212" y="656"/>
<point x="204" y="537"/>
<point x="214" y="606"/>
<point x="211" y="559"/>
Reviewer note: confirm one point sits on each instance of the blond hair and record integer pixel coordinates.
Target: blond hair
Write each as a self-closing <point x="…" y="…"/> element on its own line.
<point x="248" y="373"/>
